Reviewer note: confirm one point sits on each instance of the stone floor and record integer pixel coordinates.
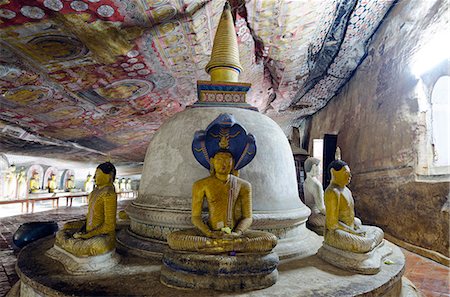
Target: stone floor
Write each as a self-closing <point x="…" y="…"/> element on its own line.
<point x="431" y="278"/>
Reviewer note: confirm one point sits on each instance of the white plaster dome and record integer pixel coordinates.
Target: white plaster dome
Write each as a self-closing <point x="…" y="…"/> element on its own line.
<point x="164" y="201"/>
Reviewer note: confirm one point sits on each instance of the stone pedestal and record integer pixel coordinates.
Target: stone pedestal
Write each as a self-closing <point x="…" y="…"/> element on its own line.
<point x="367" y="263"/>
<point x="78" y="265"/>
<point x="304" y="275"/>
<point x="242" y="272"/>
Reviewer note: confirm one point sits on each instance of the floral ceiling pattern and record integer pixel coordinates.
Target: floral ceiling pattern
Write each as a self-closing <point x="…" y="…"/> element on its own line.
<point x="83" y="79"/>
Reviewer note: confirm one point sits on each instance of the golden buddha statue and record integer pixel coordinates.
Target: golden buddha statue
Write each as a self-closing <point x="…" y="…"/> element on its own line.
<point x="70" y="184"/>
<point x="229" y="200"/>
<point x="51" y="185"/>
<point x="35" y="183"/>
<point x="95" y="235"/>
<point x="342" y="229"/>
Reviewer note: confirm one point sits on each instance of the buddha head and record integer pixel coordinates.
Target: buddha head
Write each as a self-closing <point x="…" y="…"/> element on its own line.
<point x="35" y="175"/>
<point x="340" y="173"/>
<point x="222" y="163"/>
<point x="72" y="177"/>
<point x="53" y="177"/>
<point x="312" y="166"/>
<point x="89" y="177"/>
<point x="105" y="174"/>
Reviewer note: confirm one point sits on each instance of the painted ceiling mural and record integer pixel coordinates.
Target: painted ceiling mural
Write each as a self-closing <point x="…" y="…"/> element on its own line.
<point x="98" y="77"/>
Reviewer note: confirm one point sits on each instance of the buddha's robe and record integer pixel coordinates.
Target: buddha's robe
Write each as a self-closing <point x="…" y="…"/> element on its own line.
<point x="344" y="231"/>
<point x="229" y="207"/>
<point x="100" y="226"/>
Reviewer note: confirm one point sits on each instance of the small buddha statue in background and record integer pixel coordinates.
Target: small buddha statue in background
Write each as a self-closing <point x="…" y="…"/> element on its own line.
<point x="128" y="185"/>
<point x="116" y="185"/>
<point x="51" y="185"/>
<point x="70" y="184"/>
<point x="122" y="185"/>
<point x="35" y="182"/>
<point x="88" y="184"/>
<point x="95" y="235"/>
<point x="229" y="200"/>
<point x="21" y="184"/>
<point x="11" y="183"/>
<point x="342" y="229"/>
<point x="313" y="191"/>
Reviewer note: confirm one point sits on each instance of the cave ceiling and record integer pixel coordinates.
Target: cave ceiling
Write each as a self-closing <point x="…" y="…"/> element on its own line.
<point x="92" y="78"/>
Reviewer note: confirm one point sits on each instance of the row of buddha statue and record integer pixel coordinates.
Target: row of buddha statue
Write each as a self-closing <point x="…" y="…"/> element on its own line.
<point x="225" y="232"/>
<point x="221" y="251"/>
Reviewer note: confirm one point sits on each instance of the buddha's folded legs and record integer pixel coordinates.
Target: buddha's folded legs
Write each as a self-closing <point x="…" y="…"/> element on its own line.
<point x="316" y="219"/>
<point x="79" y="247"/>
<point x="194" y="240"/>
<point x="354" y="243"/>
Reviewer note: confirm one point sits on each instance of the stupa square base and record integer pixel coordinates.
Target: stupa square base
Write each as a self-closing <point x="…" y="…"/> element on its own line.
<point x="366" y="263"/>
<point x="242" y="272"/>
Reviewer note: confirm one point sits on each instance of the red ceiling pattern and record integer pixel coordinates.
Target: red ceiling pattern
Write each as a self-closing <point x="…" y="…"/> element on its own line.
<point x="102" y="76"/>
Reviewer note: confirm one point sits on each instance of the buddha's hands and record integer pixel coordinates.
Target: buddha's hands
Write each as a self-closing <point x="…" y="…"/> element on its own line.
<point x="216" y="234"/>
<point x="81" y="235"/>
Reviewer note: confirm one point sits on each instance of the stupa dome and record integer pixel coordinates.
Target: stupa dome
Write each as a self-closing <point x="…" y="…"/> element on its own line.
<point x="164" y="201"/>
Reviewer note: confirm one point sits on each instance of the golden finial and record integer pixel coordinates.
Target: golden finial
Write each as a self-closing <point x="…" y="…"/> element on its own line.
<point x="224" y="64"/>
<point x="108" y="158"/>
<point x="337" y="154"/>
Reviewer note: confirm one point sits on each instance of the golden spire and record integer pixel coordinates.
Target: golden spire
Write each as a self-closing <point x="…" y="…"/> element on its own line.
<point x="224" y="64"/>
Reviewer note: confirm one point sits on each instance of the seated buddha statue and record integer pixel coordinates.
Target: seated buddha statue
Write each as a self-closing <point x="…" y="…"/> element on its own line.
<point x="313" y="191"/>
<point x="70" y="184"/>
<point x="342" y="229"/>
<point x="88" y="184"/>
<point x="51" y="185"/>
<point x="229" y="200"/>
<point x="96" y="234"/>
<point x="34" y="183"/>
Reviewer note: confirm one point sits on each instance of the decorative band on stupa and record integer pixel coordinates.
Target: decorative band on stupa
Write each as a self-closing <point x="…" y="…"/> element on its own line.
<point x="224" y="88"/>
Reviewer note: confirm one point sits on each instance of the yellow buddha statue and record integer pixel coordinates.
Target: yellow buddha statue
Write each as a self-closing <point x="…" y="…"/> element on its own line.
<point x="35" y="183"/>
<point x="95" y="235"/>
<point x="51" y="185"/>
<point x="229" y="200"/>
<point x="342" y="229"/>
<point x="70" y="184"/>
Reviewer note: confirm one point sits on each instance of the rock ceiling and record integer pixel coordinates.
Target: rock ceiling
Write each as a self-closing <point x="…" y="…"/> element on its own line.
<point x="81" y="79"/>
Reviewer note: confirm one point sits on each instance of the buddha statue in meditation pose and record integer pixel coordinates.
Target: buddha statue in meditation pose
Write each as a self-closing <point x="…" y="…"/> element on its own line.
<point x="70" y="184"/>
<point x="342" y="230"/>
<point x="95" y="235"/>
<point x="229" y="198"/>
<point x="51" y="185"/>
<point x="34" y="182"/>
<point x="313" y="191"/>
